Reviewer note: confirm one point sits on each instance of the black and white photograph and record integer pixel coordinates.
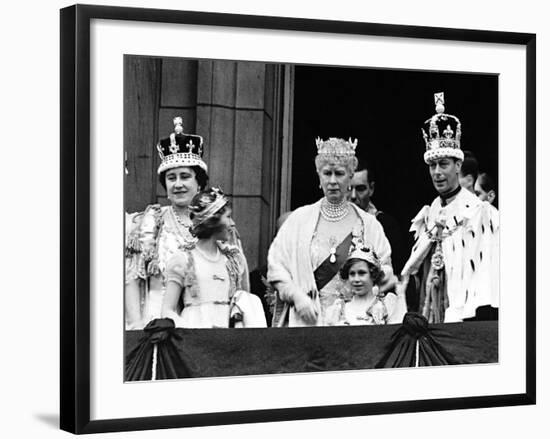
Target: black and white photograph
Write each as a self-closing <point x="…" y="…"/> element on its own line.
<point x="282" y="218"/>
<point x="359" y="203"/>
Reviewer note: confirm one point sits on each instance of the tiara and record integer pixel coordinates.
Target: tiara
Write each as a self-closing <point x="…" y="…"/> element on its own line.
<point x="366" y="254"/>
<point x="220" y="200"/>
<point x="336" y="146"/>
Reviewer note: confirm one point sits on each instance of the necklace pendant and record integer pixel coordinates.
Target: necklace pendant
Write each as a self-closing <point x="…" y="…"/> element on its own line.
<point x="216" y="277"/>
<point x="332" y="258"/>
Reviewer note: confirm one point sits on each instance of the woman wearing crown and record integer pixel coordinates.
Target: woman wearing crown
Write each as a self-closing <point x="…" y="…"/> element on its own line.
<point x="204" y="281"/>
<point x="156" y="234"/>
<point x="315" y="241"/>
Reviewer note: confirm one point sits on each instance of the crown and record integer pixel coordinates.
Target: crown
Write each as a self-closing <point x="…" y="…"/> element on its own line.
<point x="336" y="151"/>
<point x="336" y="147"/>
<point x="180" y="149"/>
<point x="442" y="133"/>
<point x="367" y="254"/>
<point x="206" y="205"/>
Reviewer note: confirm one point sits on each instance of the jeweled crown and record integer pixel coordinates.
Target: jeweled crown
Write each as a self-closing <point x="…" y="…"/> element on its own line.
<point x="442" y="133"/>
<point x="180" y="149"/>
<point x="336" y="146"/>
<point x="367" y="254"/>
<point x="206" y="204"/>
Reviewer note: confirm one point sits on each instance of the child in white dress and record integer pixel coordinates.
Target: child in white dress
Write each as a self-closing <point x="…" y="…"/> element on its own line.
<point x="368" y="306"/>
<point x="204" y="280"/>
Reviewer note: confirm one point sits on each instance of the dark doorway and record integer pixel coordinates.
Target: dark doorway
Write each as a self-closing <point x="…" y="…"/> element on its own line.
<point x="385" y="110"/>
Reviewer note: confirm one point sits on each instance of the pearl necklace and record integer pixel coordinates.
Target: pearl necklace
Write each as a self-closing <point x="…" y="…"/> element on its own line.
<point x="207" y="257"/>
<point x="334" y="212"/>
<point x="180" y="220"/>
<point x="213" y="260"/>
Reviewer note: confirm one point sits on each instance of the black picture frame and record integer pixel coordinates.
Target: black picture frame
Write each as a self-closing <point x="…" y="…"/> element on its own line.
<point x="75" y="217"/>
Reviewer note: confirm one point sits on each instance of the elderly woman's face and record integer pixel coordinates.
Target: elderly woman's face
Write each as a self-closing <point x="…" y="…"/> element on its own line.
<point x="335" y="180"/>
<point x="181" y="185"/>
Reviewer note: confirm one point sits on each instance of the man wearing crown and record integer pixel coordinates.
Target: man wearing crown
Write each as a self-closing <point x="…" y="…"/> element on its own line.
<point x="455" y="257"/>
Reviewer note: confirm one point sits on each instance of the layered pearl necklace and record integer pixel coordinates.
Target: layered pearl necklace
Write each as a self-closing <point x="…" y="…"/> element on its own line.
<point x="334" y="212"/>
<point x="185" y="222"/>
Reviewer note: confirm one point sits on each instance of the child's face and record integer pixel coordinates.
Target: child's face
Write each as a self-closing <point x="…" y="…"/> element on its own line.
<point x="359" y="278"/>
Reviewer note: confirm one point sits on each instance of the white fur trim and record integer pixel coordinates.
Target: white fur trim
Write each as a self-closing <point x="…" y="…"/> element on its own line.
<point x="439" y="153"/>
<point x="181" y="159"/>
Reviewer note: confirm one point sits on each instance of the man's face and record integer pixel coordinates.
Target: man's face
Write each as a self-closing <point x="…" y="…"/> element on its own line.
<point x="482" y="194"/>
<point x="361" y="189"/>
<point x="444" y="173"/>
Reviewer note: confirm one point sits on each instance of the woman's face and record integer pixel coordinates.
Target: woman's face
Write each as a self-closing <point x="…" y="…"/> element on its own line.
<point x="181" y="186"/>
<point x="335" y="181"/>
<point x="225" y="226"/>
<point x="359" y="278"/>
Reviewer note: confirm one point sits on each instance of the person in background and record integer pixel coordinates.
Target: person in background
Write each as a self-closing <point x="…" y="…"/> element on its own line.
<point x="315" y="240"/>
<point x="468" y="171"/>
<point x="485" y="188"/>
<point x="362" y="190"/>
<point x="456" y="249"/>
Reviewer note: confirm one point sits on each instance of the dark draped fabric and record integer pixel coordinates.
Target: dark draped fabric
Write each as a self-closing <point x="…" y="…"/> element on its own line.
<point x="416" y="344"/>
<point x="255" y="351"/>
<point x="172" y="359"/>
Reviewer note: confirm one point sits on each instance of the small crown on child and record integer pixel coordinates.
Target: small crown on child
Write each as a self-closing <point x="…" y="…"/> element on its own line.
<point x="210" y="206"/>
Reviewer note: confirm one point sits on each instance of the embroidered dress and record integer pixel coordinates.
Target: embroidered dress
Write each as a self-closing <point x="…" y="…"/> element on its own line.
<point x="456" y="254"/>
<point x="212" y="289"/>
<point x="355" y="312"/>
<point x="371" y="311"/>
<point x="205" y="287"/>
<point x="159" y="236"/>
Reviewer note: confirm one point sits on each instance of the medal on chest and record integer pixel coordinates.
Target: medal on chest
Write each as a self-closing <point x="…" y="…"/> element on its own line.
<point x="438" y="262"/>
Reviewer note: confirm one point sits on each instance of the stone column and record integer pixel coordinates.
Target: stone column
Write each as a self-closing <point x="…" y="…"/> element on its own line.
<point x="235" y="113"/>
<point x="141" y="95"/>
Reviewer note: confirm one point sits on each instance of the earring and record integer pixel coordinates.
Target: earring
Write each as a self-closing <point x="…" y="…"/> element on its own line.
<point x="349" y="188"/>
<point x="320" y="186"/>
